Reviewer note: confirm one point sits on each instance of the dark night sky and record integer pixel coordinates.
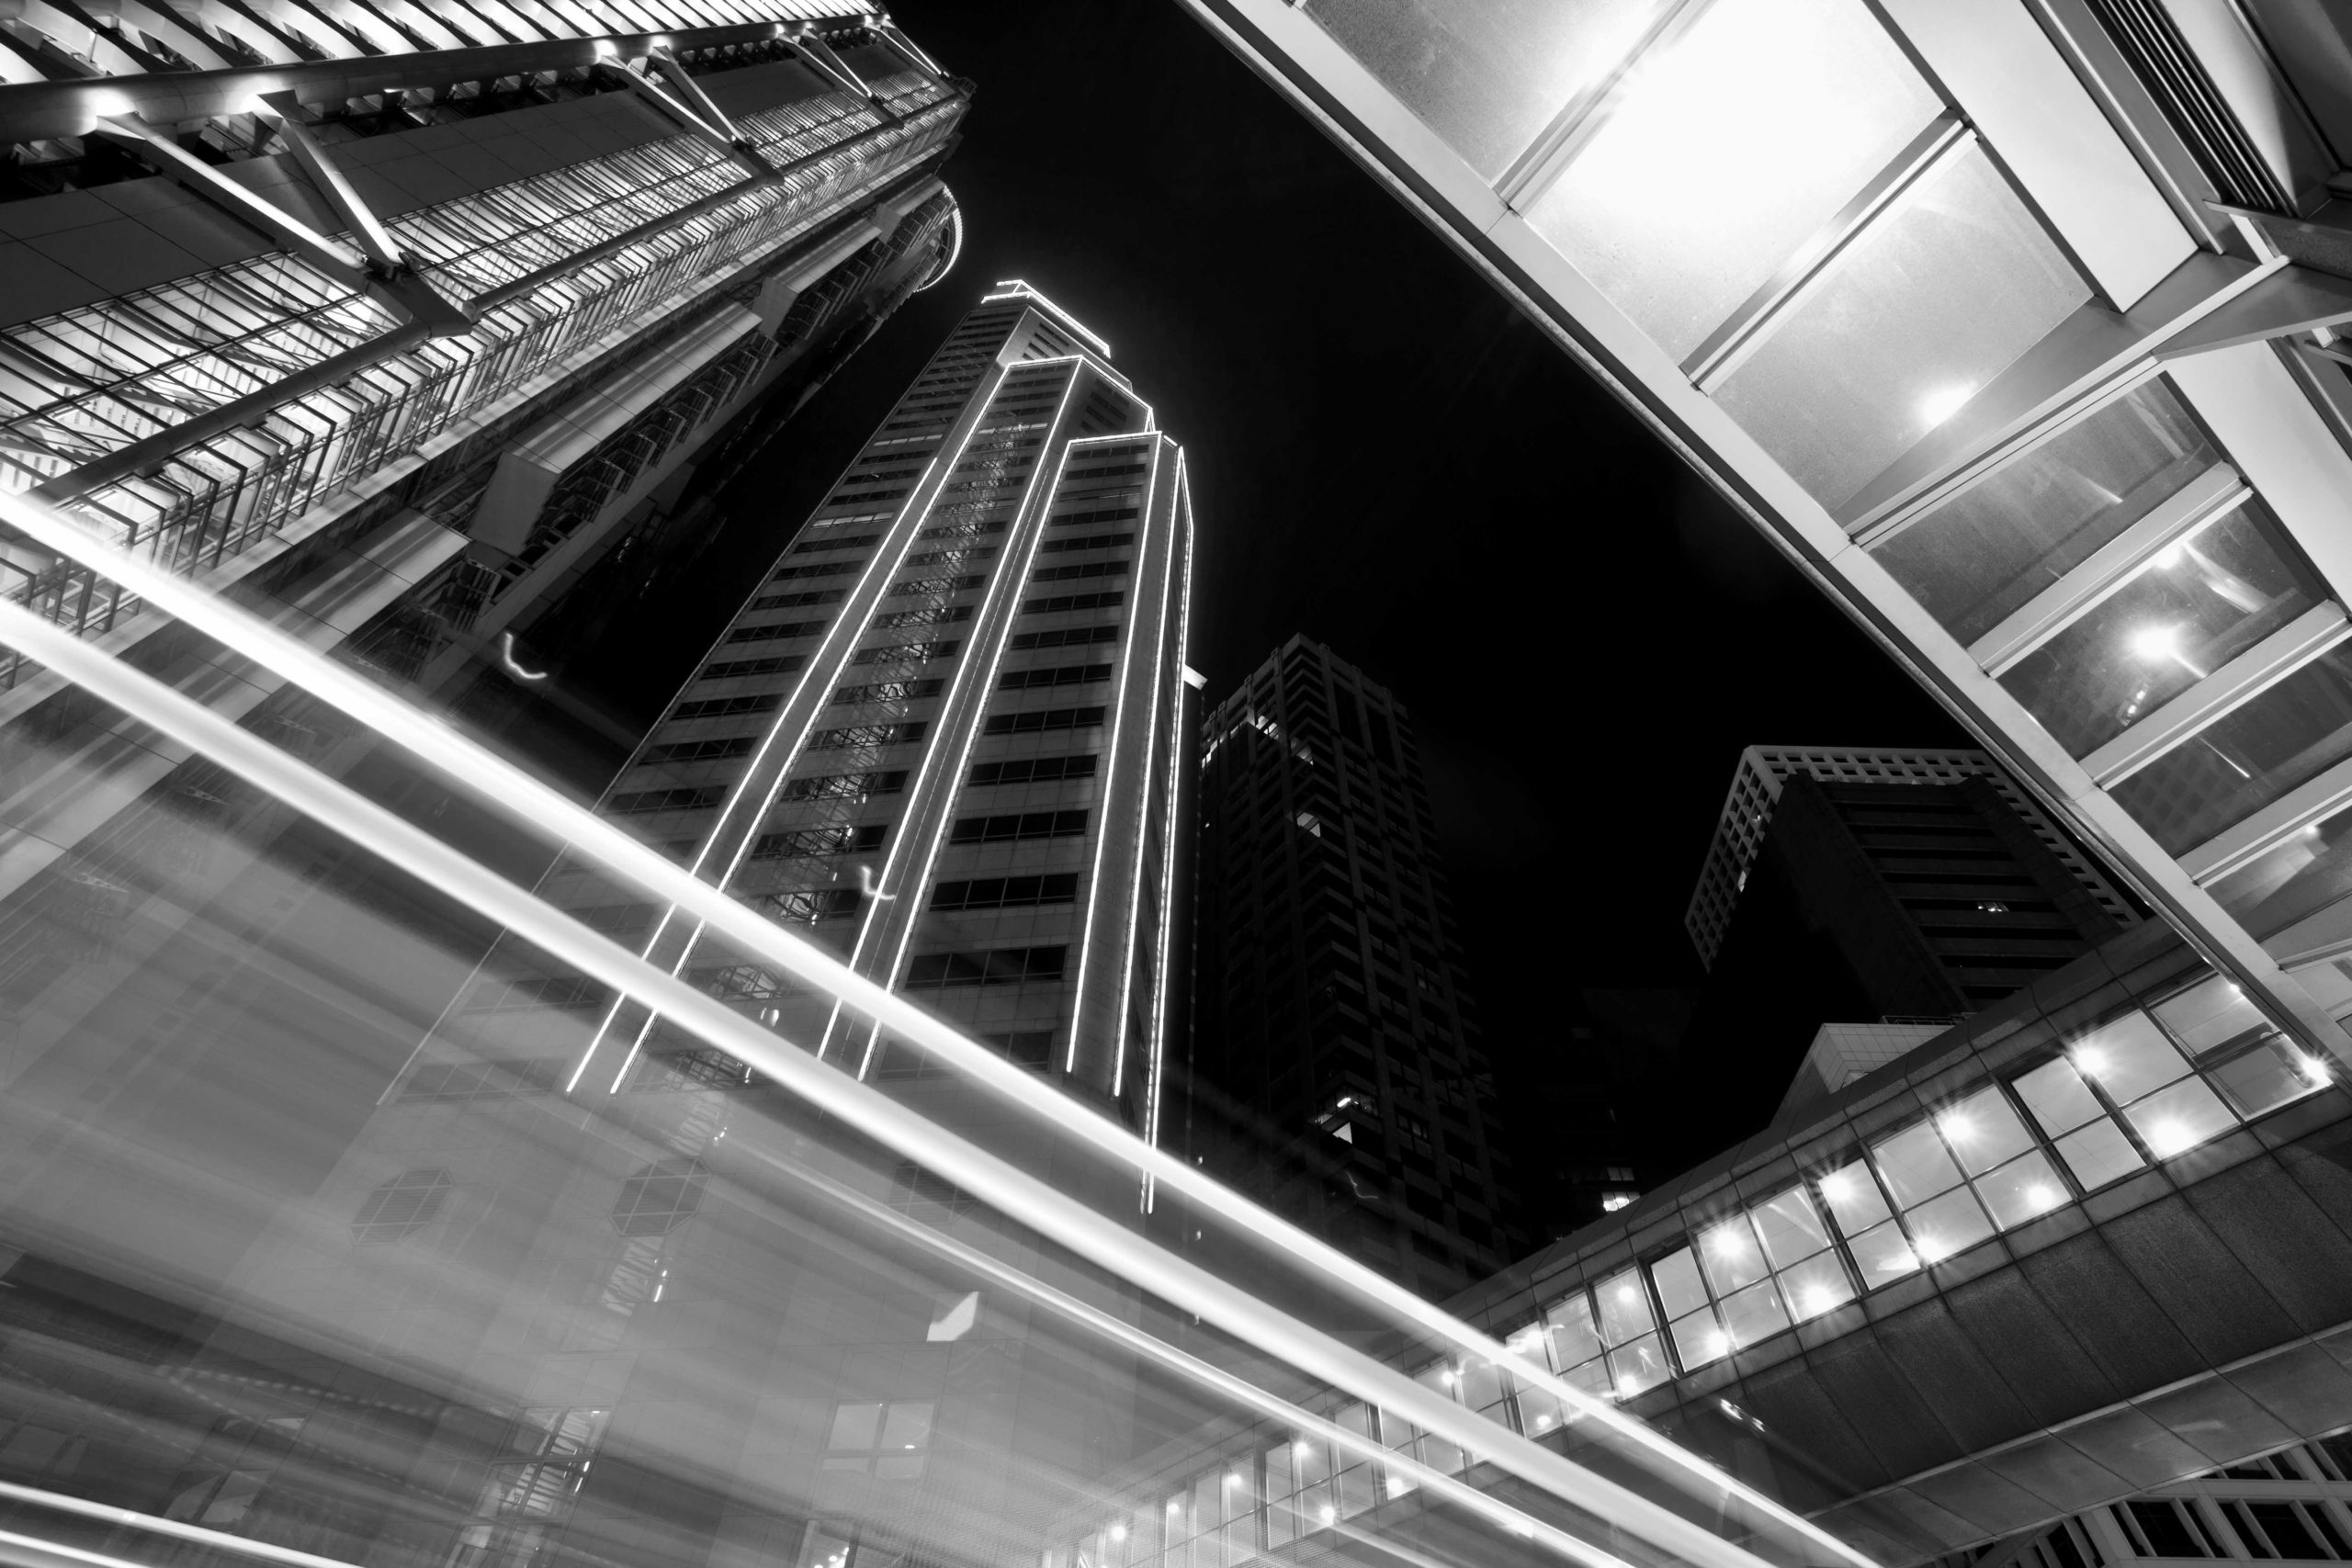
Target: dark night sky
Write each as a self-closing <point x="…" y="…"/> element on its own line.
<point x="1387" y="456"/>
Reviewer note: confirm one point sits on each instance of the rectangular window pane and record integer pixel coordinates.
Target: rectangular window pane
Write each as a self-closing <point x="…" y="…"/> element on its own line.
<point x="1941" y="295"/>
<point x="1983" y="1130"/>
<point x="1975" y="560"/>
<point x="1791" y="1227"/>
<point x="2100" y="1154"/>
<point x="2021" y="1189"/>
<point x="2268" y="1076"/>
<point x="1624" y="1308"/>
<point x="1487" y="75"/>
<point x="1730" y="1256"/>
<point x="1676" y="1278"/>
<point x="1883" y="1255"/>
<point x="2196" y="606"/>
<point x="2209" y="1015"/>
<point x="1781" y="110"/>
<point x="1571" y="1335"/>
<point x="2173" y="1120"/>
<point x="1944" y="1225"/>
<point x="2300" y="877"/>
<point x="1698" y="1340"/>
<point x="2246" y="759"/>
<point x="2128" y="1057"/>
<point x="1637" y="1366"/>
<point x="1816" y="1286"/>
<point x="2058" y="1097"/>
<point x="1915" y="1164"/>
<point x="1754" y="1313"/>
<point x="1853" y="1196"/>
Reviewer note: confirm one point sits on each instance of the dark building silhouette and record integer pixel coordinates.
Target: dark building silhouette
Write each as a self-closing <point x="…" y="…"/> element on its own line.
<point x="1337" y="1077"/>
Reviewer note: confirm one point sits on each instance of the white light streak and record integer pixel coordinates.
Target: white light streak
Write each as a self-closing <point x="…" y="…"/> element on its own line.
<point x="543" y="811"/>
<point x="506" y="659"/>
<point x="994" y="1181"/>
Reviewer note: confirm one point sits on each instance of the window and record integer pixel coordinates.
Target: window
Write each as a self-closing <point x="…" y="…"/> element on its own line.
<point x="1064" y="636"/>
<point x="1076" y="569"/>
<point x="840" y="838"/>
<point x="907" y="652"/>
<point x="775" y="664"/>
<point x="1006" y="892"/>
<point x="851" y="542"/>
<point x="1039" y="770"/>
<point x="1022" y="825"/>
<point x="845" y="786"/>
<point x="1064" y="675"/>
<point x="1110" y="514"/>
<point x="711" y="750"/>
<point x="1091" y="542"/>
<point x="402" y="1206"/>
<point x="971" y="555"/>
<point x="661" y="1197"/>
<point x="726" y="707"/>
<point x="1000" y="966"/>
<point x="1063" y="602"/>
<point x="852" y="735"/>
<point x="1042" y="719"/>
<point x="937" y="615"/>
<point x="933" y="585"/>
<point x="888" y="691"/>
<point x="818" y="569"/>
<point x="2247" y="757"/>
<point x="798" y="601"/>
<point x="807" y="906"/>
<point x="2197" y="604"/>
<point x="696" y="800"/>
<point x="777" y="632"/>
<point x="888" y="1439"/>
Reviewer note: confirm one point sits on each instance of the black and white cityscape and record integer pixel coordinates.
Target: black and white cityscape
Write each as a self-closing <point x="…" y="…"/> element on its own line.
<point x="1220" y="783"/>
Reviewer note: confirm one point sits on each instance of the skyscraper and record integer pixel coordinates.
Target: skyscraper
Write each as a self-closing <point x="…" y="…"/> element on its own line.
<point x="2018" y="330"/>
<point x="1341" y="1079"/>
<point x="946" y="736"/>
<point x="1941" y="883"/>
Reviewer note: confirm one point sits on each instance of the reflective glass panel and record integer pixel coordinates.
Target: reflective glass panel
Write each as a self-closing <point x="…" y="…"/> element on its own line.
<point x="2301" y="877"/>
<point x="1570" y="1327"/>
<point x="2128" y="1057"/>
<point x="1729" y="1254"/>
<point x="2196" y="606"/>
<point x="1883" y="1255"/>
<point x="1781" y="110"/>
<point x="1791" y="1227"/>
<point x="1816" y="1286"/>
<point x="1915" y="1164"/>
<point x="1854" y="1197"/>
<point x="1976" y="560"/>
<point x="2210" y="1014"/>
<point x="2058" y="1097"/>
<point x="1753" y="1313"/>
<point x="2247" y="757"/>
<point x="1983" y="1130"/>
<point x="1639" y="1365"/>
<point x="1941" y="1226"/>
<point x="1938" y="299"/>
<point x="1624" y="1308"/>
<point x="2268" y="1076"/>
<point x="1698" y="1339"/>
<point x="1676" y="1278"/>
<point x="1487" y="75"/>
<point x="2175" y="1119"/>
<point x="2021" y="1189"/>
<point x="2100" y="1154"/>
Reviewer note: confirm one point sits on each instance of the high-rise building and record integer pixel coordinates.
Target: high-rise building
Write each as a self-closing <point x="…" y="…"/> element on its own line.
<point x="1937" y="882"/>
<point x="945" y="737"/>
<point x="2019" y="334"/>
<point x="1339" y="1076"/>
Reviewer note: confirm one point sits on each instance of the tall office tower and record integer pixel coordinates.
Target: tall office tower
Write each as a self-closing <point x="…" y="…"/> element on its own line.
<point x="945" y="738"/>
<point x="1940" y="884"/>
<point x="2021" y="334"/>
<point x="1347" y="1087"/>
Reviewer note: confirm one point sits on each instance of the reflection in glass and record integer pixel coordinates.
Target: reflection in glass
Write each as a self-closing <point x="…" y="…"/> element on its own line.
<point x="1639" y="1365"/>
<point x="1624" y="1307"/>
<point x="2058" y="1097"/>
<point x="1942" y="1226"/>
<point x="2195" y="606"/>
<point x="1781" y="111"/>
<point x="2210" y="1014"/>
<point x="2128" y="1057"/>
<point x="1817" y="1285"/>
<point x="2267" y="1075"/>
<point x="2100" y="1154"/>
<point x="1487" y="75"/>
<point x="1730" y="1256"/>
<point x="2247" y="757"/>
<point x="1937" y="298"/>
<point x="2172" y="1120"/>
<point x="1853" y="1196"/>
<point x="1977" y="559"/>
<point x="2021" y="1189"/>
<point x="1983" y="1130"/>
<point x="2299" y="877"/>
<point x="1915" y="1164"/>
<point x="1883" y="1255"/>
<point x="1754" y="1313"/>
<point x="1791" y="1227"/>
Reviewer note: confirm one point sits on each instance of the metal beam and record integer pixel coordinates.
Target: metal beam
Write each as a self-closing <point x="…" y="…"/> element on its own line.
<point x="338" y="261"/>
<point x="712" y="127"/>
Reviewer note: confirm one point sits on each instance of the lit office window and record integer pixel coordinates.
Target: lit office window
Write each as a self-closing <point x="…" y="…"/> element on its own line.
<point x="2142" y="1075"/>
<point x="1298" y="1490"/>
<point x="1487" y="75"/>
<point x="2197" y="604"/>
<point x="1882" y="1253"/>
<point x="1980" y="557"/>
<point x="1781" y="110"/>
<point x="1571" y="1339"/>
<point x="2247" y="757"/>
<point x="2241" y="1054"/>
<point x="1939" y="296"/>
<point x="1629" y="1328"/>
<point x="1748" y="1276"/>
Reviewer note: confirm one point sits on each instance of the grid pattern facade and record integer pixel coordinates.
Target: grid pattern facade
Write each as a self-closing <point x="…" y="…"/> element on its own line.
<point x="1331" y="1018"/>
<point x="1756" y="786"/>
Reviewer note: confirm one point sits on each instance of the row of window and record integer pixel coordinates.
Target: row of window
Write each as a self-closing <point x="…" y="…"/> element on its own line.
<point x="971" y="555"/>
<point x="904" y="732"/>
<point x="727" y="708"/>
<point x="852" y="541"/>
<point x="694" y="798"/>
<point x="1011" y="826"/>
<point x="798" y="601"/>
<point x="1033" y="770"/>
<point x="773" y="664"/>
<point x="933" y="585"/>
<point x="818" y="568"/>
<point x="931" y="615"/>
<point x="1044" y="719"/>
<point x="776" y="633"/>
<point x="712" y="750"/>
<point x="1007" y="892"/>
<point x="888" y="690"/>
<point x="845" y="786"/>
<point x="1105" y="514"/>
<point x="907" y="652"/>
<point x="1063" y="637"/>
<point x="831" y="838"/>
<point x="1062" y="602"/>
<point x="1060" y="675"/>
<point x="1079" y="570"/>
<point x="1091" y="542"/>
<point x="997" y="966"/>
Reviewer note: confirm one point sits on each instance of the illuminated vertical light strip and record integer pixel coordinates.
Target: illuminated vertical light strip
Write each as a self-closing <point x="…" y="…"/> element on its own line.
<point x="1109" y="771"/>
<point x="836" y="662"/>
<point x="1159" y="444"/>
<point x="1177" y="753"/>
<point x="955" y="251"/>
<point x="1014" y="583"/>
<point x="1027" y="1198"/>
<point x="1021" y="291"/>
<point x="540" y="810"/>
